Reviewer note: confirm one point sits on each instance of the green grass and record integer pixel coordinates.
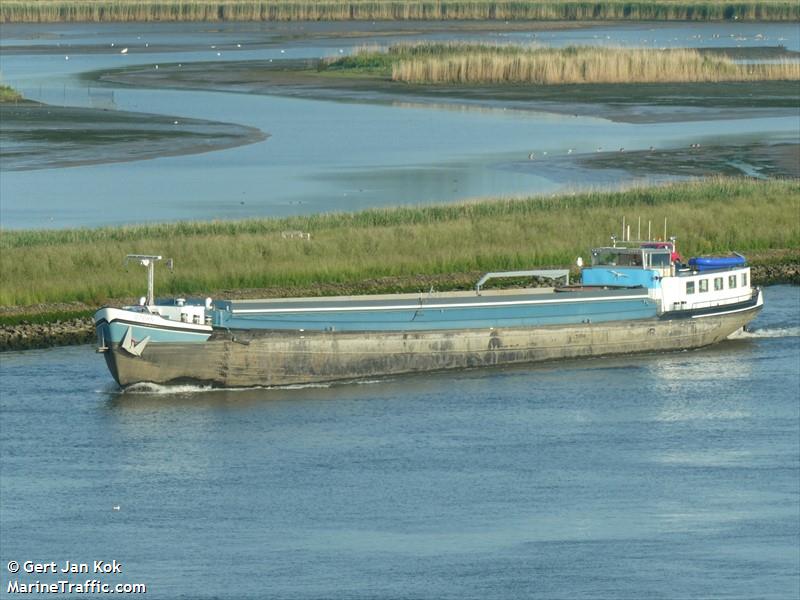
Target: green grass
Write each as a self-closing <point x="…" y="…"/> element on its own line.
<point x="85" y="265"/>
<point x="367" y="60"/>
<point x="9" y="94"/>
<point x="344" y="10"/>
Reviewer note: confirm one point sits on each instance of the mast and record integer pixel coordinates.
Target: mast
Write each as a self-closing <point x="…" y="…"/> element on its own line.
<point x="149" y="261"/>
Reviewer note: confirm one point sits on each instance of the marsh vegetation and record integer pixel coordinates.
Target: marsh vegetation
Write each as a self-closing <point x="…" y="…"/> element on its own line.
<point x="715" y="215"/>
<point x="464" y="63"/>
<point x="346" y="10"/>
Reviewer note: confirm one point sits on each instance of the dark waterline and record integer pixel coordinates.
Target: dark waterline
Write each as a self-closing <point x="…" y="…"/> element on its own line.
<point x="662" y="476"/>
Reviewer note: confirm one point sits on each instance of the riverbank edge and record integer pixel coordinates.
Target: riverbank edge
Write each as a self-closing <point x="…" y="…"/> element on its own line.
<point x="44" y="327"/>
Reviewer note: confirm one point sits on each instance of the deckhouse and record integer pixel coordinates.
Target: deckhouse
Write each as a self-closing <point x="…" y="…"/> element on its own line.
<point x="694" y="287"/>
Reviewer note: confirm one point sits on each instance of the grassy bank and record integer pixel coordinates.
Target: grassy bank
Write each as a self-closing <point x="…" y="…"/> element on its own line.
<point x="447" y="63"/>
<point x="343" y="10"/>
<point x="86" y="264"/>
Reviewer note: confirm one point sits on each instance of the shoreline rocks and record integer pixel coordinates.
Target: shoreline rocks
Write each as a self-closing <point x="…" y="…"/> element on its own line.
<point x="27" y="336"/>
<point x="776" y="274"/>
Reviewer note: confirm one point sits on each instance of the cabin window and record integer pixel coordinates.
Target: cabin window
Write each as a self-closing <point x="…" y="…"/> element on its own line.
<point x="744" y="279"/>
<point x="604" y="258"/>
<point x="731" y="281"/>
<point x="718" y="284"/>
<point x="621" y="259"/>
<point x="659" y="260"/>
<point x="703" y="285"/>
<point x="690" y="287"/>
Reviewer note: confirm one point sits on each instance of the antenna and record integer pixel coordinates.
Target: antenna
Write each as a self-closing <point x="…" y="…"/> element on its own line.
<point x="639" y="230"/>
<point x="623" y="228"/>
<point x="149" y="261"/>
<point x="649" y="234"/>
<point x="665" y="228"/>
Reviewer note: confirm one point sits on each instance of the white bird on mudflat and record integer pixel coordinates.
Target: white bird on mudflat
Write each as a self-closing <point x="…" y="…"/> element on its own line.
<point x="123" y="51"/>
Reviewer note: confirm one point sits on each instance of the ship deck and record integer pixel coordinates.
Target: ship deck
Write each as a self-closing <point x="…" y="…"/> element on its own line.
<point x="429" y="300"/>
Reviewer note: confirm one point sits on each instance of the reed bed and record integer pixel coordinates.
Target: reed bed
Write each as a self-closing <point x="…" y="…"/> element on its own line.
<point x="472" y="63"/>
<point x="446" y="64"/>
<point x="36" y="11"/>
<point x="85" y="265"/>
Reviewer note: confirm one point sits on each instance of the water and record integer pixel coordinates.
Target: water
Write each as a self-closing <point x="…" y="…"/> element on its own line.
<point x="661" y="476"/>
<point x="332" y="156"/>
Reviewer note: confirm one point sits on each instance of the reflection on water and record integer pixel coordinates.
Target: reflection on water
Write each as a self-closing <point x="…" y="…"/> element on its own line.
<point x="101" y="98"/>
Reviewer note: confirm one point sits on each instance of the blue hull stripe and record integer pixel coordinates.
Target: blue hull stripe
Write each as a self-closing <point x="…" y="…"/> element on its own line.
<point x="447" y="318"/>
<point x="114" y="332"/>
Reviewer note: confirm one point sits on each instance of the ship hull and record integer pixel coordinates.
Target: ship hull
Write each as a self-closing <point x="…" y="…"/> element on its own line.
<point x="243" y="358"/>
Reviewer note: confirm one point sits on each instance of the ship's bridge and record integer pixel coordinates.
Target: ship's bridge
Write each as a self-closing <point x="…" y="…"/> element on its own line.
<point x="640" y="266"/>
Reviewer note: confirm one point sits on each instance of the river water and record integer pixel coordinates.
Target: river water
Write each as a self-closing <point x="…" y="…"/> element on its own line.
<point x="333" y="156"/>
<point x="670" y="475"/>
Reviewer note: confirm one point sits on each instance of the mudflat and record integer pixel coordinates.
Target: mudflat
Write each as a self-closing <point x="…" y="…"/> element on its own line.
<point x="624" y="102"/>
<point x="41" y="136"/>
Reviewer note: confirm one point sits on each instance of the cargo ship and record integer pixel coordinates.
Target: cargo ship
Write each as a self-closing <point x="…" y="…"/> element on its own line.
<point x="635" y="296"/>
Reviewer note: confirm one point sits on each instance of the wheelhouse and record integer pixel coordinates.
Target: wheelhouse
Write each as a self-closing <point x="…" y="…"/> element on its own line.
<point x="642" y="257"/>
<point x="635" y="264"/>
